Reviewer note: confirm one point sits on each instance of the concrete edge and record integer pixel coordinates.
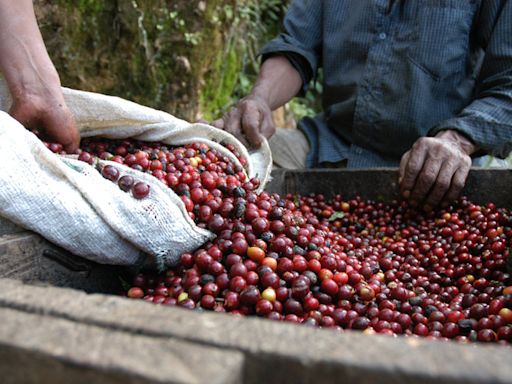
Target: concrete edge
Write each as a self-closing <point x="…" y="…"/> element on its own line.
<point x="328" y="354"/>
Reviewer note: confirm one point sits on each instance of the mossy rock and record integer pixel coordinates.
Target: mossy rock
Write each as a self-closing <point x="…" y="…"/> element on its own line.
<point x="179" y="56"/>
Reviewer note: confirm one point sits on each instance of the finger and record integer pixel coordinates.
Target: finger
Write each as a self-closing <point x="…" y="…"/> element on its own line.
<point x="219" y="123"/>
<point x="267" y="126"/>
<point x="251" y="125"/>
<point x="72" y="143"/>
<point x="232" y="122"/>
<point x="401" y="170"/>
<point x="61" y="127"/>
<point x="441" y="185"/>
<point x="425" y="180"/>
<point x="203" y="121"/>
<point x="457" y="183"/>
<point x="233" y="125"/>
<point x="412" y="168"/>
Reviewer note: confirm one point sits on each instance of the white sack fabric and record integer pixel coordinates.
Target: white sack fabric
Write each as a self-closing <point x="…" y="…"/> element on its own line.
<point x="115" y="118"/>
<point x="72" y="205"/>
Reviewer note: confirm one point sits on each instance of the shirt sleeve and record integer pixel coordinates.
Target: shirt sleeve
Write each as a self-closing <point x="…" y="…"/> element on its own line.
<point x="301" y="39"/>
<point x="487" y="120"/>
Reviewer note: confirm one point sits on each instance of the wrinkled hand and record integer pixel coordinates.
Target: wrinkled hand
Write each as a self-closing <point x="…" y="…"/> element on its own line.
<point x="249" y="121"/>
<point x="49" y="115"/>
<point x="435" y="169"/>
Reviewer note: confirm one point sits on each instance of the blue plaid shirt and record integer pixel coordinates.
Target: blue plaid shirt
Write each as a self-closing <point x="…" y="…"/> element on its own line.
<point x="394" y="71"/>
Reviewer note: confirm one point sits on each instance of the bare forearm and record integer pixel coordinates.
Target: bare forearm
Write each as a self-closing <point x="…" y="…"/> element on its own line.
<point x="278" y="82"/>
<point x="24" y="60"/>
<point x="37" y="99"/>
<point x="251" y="119"/>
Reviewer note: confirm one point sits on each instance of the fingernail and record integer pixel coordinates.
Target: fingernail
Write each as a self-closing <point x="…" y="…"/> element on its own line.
<point x="406" y="194"/>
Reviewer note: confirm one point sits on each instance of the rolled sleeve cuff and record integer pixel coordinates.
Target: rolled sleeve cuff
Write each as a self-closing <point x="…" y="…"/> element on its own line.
<point x="304" y="61"/>
<point x="490" y="137"/>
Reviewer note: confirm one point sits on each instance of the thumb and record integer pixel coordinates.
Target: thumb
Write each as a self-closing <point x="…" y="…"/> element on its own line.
<point x="219" y="123"/>
<point x="403" y="164"/>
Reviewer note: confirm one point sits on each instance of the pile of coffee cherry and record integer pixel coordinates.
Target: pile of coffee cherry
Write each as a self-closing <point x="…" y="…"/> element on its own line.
<point x="377" y="267"/>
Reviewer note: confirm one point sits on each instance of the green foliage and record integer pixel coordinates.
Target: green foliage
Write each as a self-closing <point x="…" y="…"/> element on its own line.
<point x="193" y="58"/>
<point x="235" y="68"/>
<point x="262" y="21"/>
<point x="337" y="215"/>
<point x="93" y="6"/>
<point x="217" y="93"/>
<point x="253" y="23"/>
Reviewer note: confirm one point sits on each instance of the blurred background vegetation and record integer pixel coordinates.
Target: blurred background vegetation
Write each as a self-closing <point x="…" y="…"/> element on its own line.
<point x="192" y="58"/>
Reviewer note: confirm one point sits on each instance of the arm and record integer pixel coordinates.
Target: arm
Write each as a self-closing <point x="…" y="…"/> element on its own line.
<point x="31" y="77"/>
<point x="277" y="83"/>
<point x="436" y="168"/>
<point x="281" y="76"/>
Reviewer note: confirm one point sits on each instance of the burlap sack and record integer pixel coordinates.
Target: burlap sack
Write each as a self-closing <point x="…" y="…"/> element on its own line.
<point x="71" y="204"/>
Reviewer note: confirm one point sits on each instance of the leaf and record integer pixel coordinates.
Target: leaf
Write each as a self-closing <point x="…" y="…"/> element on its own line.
<point x="126" y="286"/>
<point x="337" y="215"/>
<point x="72" y="166"/>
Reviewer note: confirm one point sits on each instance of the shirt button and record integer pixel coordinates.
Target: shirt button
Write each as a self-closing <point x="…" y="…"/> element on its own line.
<point x="382" y="36"/>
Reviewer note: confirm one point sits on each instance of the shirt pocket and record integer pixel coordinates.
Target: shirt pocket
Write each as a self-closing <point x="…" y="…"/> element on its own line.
<point x="440" y="46"/>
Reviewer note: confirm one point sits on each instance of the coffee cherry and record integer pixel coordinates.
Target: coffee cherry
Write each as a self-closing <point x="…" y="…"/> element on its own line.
<point x="271" y="280"/>
<point x="126" y="182"/>
<point x="231" y="301"/>
<point x="293" y="307"/>
<point x="330" y="287"/>
<point x="269" y="262"/>
<point x="486" y="335"/>
<point x="382" y="267"/>
<point x="250" y="296"/>
<point x="110" y="172"/>
<point x="135" y="293"/>
<point x="260" y="225"/>
<point x="269" y="294"/>
<point x="263" y="307"/>
<point x="255" y="253"/>
<point x="86" y="157"/>
<point x="216" y="223"/>
<point x="506" y="314"/>
<point x="140" y="190"/>
<point x="239" y="246"/>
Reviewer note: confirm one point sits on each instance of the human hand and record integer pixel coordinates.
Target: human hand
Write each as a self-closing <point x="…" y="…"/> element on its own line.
<point x="435" y="169"/>
<point x="249" y="121"/>
<point x="32" y="79"/>
<point x="50" y="115"/>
